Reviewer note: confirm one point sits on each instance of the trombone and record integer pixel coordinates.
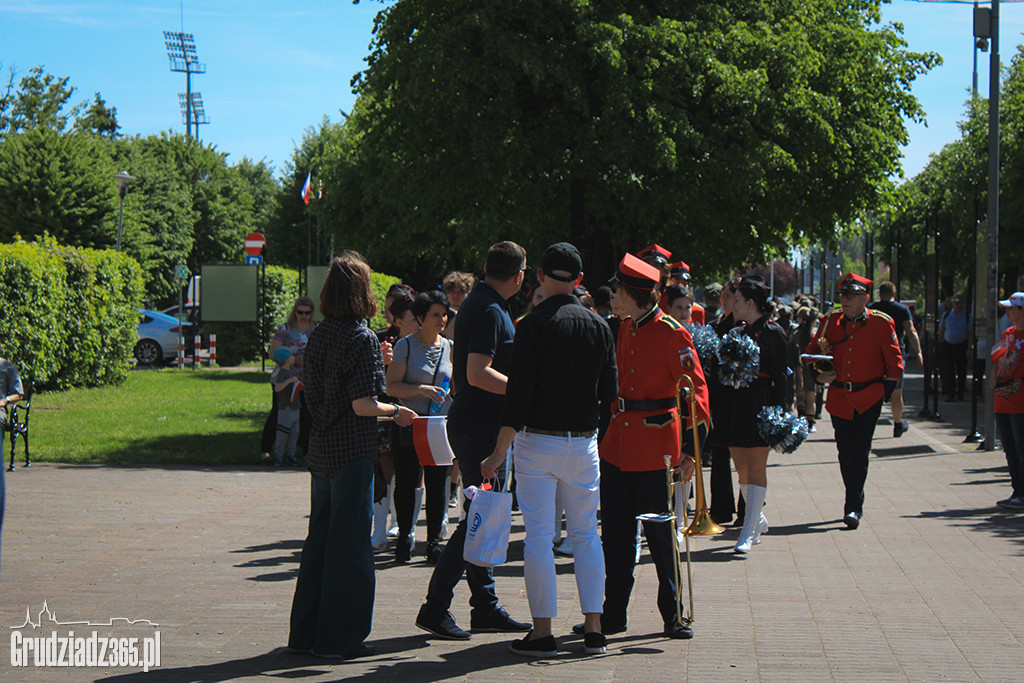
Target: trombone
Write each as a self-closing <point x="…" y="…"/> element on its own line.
<point x="702" y="524"/>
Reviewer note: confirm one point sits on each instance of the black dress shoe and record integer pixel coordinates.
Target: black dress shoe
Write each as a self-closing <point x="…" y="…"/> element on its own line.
<point x="852" y="519"/>
<point x="499" y="622"/>
<point x="678" y="631"/>
<point x="445" y="627"/>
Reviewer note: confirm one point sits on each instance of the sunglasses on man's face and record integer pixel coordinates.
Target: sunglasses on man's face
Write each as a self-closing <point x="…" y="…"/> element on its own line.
<point x="306" y="312"/>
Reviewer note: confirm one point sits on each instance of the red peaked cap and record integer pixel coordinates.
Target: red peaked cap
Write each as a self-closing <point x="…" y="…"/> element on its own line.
<point x="679" y="269"/>
<point x="637" y="274"/>
<point x="655" y="253"/>
<point x="855" y="283"/>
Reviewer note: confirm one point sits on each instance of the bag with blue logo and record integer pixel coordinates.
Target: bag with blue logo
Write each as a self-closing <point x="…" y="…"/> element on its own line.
<point x="487" y="527"/>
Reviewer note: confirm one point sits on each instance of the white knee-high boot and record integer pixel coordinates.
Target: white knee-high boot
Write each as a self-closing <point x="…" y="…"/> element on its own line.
<point x="417" y="508"/>
<point x="754" y="496"/>
<point x="762" y="525"/>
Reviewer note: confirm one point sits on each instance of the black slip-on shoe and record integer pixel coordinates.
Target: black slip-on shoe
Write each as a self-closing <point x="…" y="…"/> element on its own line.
<point x="538" y="647"/>
<point x="606" y="629"/>
<point x="852" y="520"/>
<point x="594" y="643"/>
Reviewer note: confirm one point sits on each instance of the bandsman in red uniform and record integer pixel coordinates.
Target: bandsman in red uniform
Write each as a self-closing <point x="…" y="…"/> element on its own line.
<point x="867" y="367"/>
<point x="653" y="352"/>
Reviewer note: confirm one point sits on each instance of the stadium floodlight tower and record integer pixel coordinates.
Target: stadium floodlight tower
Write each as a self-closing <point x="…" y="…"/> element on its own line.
<point x="192" y="107"/>
<point x="181" y="51"/>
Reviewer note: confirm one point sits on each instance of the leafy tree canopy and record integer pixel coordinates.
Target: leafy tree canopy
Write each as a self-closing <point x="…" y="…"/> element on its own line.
<point x="615" y="124"/>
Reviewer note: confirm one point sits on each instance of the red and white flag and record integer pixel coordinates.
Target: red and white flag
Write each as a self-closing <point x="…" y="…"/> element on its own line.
<point x="430" y="438"/>
<point x="306" y="188"/>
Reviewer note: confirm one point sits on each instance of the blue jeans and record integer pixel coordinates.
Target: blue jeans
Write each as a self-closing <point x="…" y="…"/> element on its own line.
<point x="333" y="606"/>
<point x="1" y="490"/>
<point x="471" y="442"/>
<point x="1011" y="432"/>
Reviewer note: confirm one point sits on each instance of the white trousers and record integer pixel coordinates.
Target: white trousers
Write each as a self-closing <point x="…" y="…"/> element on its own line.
<point x="545" y="465"/>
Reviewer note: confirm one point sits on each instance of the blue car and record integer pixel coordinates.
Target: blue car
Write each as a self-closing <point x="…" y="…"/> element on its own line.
<point x="158" y="338"/>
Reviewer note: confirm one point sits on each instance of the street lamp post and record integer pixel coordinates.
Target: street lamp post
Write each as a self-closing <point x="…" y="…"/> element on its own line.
<point x="122" y="189"/>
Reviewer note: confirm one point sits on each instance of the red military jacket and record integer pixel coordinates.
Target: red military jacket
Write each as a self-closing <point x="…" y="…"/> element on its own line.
<point x="652" y="353"/>
<point x="863" y="350"/>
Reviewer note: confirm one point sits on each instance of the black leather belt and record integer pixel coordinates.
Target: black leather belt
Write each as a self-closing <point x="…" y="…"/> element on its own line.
<point x="854" y="386"/>
<point x="563" y="433"/>
<point x="646" y="404"/>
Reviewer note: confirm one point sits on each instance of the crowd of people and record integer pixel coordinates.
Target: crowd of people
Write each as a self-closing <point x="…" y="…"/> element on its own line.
<point x="605" y="404"/>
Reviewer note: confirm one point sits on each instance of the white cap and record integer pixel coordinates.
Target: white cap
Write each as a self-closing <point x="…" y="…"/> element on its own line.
<point x="1016" y="299"/>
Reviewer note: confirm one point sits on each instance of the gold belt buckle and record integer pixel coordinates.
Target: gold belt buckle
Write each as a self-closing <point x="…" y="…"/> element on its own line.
<point x="622" y="404"/>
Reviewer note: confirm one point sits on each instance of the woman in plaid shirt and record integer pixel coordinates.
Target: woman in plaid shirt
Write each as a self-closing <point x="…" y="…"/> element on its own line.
<point x="344" y="373"/>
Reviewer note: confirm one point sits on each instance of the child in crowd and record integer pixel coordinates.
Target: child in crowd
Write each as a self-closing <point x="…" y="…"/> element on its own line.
<point x="287" y="382"/>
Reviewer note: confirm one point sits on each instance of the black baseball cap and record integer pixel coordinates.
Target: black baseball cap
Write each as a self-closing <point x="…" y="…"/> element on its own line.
<point x="562" y="262"/>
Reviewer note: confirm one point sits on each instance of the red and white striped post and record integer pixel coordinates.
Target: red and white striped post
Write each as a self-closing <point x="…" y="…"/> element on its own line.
<point x="181" y="352"/>
<point x="213" y="350"/>
<point x="196" y="360"/>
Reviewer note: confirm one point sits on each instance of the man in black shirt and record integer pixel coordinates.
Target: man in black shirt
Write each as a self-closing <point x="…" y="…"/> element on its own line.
<point x="563" y="367"/>
<point x="903" y="321"/>
<point x="481" y="358"/>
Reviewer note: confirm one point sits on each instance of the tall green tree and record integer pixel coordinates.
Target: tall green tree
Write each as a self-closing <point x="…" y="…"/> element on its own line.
<point x="613" y="123"/>
<point x="39" y="100"/>
<point x="58" y="183"/>
<point x="99" y="119"/>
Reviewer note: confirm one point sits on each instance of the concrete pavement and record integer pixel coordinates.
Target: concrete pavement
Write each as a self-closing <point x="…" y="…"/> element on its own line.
<point x="931" y="587"/>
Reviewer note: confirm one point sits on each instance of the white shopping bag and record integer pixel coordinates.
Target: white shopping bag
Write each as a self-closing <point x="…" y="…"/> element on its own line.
<point x="487" y="528"/>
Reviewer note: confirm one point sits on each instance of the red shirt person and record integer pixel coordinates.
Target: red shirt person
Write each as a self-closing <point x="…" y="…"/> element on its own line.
<point x="653" y="353"/>
<point x="1008" y="380"/>
<point x="867" y="367"/>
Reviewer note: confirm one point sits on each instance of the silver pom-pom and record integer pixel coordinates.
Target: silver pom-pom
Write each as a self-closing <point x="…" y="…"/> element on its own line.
<point x="705" y="340"/>
<point x="739" y="360"/>
<point x="782" y="431"/>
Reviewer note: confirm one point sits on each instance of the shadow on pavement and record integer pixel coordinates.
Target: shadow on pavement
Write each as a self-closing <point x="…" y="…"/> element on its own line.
<point x="278" y="560"/>
<point x="1003" y="523"/>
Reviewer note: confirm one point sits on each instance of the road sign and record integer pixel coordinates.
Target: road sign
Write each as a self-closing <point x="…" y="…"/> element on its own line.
<point x="254" y="243"/>
<point x="251" y="260"/>
<point x="181" y="271"/>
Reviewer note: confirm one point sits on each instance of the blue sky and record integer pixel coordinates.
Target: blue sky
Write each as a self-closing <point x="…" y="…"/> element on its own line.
<point x="276" y="68"/>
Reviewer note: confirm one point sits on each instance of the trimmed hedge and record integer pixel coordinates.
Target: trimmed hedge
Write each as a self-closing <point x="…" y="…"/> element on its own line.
<point x="68" y="316"/>
<point x="238" y="343"/>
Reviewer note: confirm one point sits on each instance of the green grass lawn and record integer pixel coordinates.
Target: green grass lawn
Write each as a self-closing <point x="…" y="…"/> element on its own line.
<point x="188" y="417"/>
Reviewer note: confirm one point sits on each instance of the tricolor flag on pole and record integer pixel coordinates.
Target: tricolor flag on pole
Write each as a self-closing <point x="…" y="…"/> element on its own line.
<point x="430" y="438"/>
<point x="305" y="188"/>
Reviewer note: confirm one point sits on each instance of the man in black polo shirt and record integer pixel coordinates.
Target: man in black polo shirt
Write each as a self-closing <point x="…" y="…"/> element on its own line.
<point x="903" y="321"/>
<point x="481" y="358"/>
<point x="563" y="368"/>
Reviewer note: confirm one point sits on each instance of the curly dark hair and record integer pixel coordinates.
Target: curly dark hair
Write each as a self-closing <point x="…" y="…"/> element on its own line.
<point x="424" y="300"/>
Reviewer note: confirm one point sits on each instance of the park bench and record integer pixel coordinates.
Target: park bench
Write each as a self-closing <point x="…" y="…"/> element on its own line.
<point x="15" y="423"/>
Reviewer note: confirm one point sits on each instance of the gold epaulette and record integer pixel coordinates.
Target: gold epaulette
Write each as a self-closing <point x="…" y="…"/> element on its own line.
<point x="880" y="314"/>
<point x="670" y="321"/>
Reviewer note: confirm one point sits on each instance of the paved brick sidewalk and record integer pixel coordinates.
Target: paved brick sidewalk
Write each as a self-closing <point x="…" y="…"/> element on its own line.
<point x="929" y="588"/>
